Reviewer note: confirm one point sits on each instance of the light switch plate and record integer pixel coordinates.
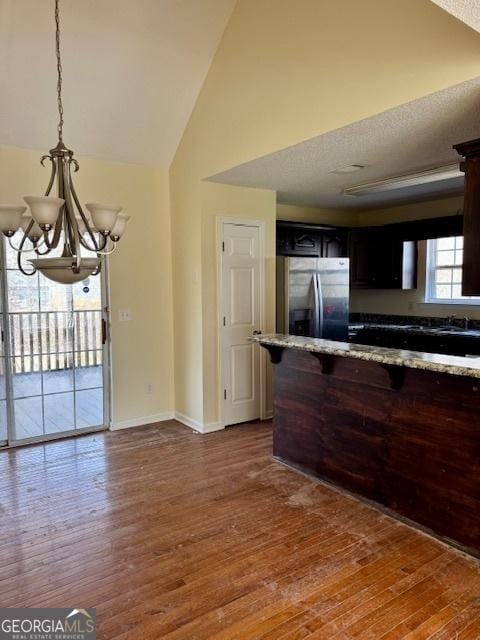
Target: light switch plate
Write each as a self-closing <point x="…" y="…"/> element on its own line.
<point x="124" y="315"/>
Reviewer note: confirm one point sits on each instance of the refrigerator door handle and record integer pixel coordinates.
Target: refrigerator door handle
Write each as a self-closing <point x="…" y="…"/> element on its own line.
<point x="320" y="305"/>
<point x="316" y="307"/>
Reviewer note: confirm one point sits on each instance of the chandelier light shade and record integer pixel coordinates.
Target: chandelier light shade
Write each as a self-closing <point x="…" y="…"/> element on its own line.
<point x="10" y="218"/>
<point x="60" y="223"/>
<point x="45" y="210"/>
<point x="119" y="227"/>
<point x="103" y="217"/>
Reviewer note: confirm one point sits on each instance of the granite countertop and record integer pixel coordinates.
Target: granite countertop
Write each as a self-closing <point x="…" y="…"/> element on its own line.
<point x="416" y="329"/>
<point x="455" y="365"/>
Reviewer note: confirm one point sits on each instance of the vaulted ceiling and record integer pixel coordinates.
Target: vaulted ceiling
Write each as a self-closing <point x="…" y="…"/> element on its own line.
<point x="132" y="73"/>
<point x="411" y="137"/>
<point x="468" y="11"/>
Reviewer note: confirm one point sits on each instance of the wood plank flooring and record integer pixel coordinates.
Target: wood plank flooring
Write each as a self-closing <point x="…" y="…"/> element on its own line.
<point x="170" y="534"/>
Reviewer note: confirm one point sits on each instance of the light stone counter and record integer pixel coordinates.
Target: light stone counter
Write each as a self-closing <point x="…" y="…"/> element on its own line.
<point x="440" y="363"/>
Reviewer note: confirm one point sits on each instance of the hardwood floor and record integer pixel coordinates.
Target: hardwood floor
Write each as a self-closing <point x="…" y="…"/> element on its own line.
<point x="174" y="535"/>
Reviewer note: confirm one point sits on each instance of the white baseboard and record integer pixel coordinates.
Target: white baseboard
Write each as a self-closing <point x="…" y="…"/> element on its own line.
<point x="198" y="426"/>
<point x="169" y="415"/>
<point x="141" y="422"/>
<point x="210" y="427"/>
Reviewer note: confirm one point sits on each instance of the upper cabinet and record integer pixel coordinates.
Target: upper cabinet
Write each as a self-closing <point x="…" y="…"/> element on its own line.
<point x="360" y="248"/>
<point x="314" y="241"/>
<point x="381" y="257"/>
<point x="385" y="257"/>
<point x="305" y="242"/>
<point x="381" y="260"/>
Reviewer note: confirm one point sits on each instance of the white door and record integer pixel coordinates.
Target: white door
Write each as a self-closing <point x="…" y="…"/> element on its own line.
<point x="240" y="317"/>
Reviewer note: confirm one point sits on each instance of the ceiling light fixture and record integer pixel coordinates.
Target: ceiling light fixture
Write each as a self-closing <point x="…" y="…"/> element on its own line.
<point x="437" y="174"/>
<point x="53" y="221"/>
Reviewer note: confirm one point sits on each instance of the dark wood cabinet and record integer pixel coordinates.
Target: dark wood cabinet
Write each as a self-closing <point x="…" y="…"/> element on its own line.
<point x="305" y="240"/>
<point x="380" y="259"/>
<point x="360" y="250"/>
<point x="334" y="244"/>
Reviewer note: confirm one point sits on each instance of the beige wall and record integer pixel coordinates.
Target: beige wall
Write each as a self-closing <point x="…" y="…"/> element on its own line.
<point x="412" y="211"/>
<point x="316" y="215"/>
<point x="140" y="272"/>
<point x="409" y="302"/>
<point x="284" y="72"/>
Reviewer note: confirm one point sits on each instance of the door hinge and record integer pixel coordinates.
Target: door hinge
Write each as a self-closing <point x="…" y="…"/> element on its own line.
<point x="3" y="336"/>
<point x="224" y="322"/>
<point x="223" y="246"/>
<point x="224" y="394"/>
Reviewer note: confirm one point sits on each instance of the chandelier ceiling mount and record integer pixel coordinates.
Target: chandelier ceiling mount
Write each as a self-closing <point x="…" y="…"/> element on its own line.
<point x="60" y="221"/>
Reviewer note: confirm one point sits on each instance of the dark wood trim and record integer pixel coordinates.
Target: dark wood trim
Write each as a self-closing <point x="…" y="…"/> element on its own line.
<point x="311" y="226"/>
<point x="275" y="352"/>
<point x="468" y="149"/>
<point x="425" y="229"/>
<point x="471" y="216"/>
<point x="327" y="362"/>
<point x="396" y="374"/>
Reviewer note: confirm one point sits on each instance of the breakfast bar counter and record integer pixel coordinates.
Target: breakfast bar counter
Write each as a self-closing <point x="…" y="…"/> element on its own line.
<point x="399" y="428"/>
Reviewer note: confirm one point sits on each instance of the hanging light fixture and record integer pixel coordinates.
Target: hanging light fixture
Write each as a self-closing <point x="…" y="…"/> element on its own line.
<point x="56" y="221"/>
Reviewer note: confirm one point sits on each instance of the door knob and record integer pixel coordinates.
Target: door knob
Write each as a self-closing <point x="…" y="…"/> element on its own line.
<point x="257" y="333"/>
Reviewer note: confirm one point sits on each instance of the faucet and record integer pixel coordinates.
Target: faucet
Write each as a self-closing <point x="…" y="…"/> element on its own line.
<point x="451" y="320"/>
<point x="466" y="323"/>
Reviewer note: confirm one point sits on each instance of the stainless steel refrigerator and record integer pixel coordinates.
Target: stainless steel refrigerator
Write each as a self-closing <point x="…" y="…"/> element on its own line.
<point x="312" y="297"/>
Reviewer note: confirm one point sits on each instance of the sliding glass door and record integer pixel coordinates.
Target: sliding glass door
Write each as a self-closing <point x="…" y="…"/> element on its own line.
<point x="55" y="359"/>
<point x="3" y="393"/>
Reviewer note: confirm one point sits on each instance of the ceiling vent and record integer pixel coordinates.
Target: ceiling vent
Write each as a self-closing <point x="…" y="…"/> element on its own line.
<point x="349" y="168"/>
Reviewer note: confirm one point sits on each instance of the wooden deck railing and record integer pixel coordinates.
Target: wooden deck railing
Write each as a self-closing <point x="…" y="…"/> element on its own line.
<point x="53" y="340"/>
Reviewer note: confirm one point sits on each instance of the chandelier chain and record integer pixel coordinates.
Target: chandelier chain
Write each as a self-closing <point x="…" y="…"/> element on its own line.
<point x="59" y="71"/>
<point x="53" y="222"/>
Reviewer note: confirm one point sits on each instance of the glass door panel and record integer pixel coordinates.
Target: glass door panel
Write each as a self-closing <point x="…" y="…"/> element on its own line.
<point x="55" y="358"/>
<point x="3" y="404"/>
<point x="3" y="381"/>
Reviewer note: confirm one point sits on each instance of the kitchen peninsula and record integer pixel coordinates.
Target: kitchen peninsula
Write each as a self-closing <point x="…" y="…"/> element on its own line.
<point x="399" y="428"/>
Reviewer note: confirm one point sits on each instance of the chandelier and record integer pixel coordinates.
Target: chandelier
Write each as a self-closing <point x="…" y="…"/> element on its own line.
<point x="56" y="222"/>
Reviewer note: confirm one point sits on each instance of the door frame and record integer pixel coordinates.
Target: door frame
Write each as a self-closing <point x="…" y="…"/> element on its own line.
<point x="260" y="225"/>
<point x="106" y="364"/>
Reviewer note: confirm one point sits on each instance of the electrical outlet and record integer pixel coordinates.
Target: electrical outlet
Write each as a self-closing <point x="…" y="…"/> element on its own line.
<point x="124" y="315"/>
<point x="149" y="388"/>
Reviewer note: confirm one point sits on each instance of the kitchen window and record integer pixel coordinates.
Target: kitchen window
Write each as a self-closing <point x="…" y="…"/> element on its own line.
<point x="444" y="272"/>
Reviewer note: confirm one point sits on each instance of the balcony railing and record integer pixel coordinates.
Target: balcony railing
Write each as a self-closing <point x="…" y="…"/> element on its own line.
<point x="55" y="340"/>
